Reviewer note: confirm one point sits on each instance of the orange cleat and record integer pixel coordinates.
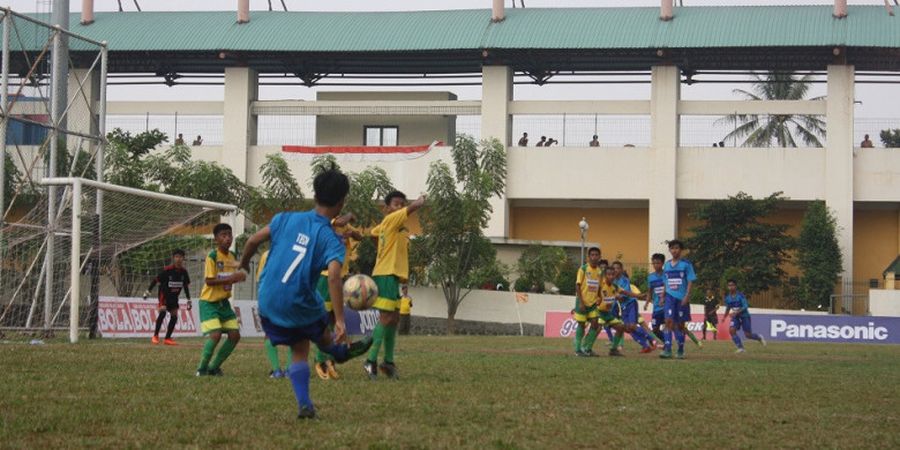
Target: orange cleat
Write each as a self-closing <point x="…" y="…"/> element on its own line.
<point x="169" y="342"/>
<point x="154" y="340"/>
<point x="648" y="349"/>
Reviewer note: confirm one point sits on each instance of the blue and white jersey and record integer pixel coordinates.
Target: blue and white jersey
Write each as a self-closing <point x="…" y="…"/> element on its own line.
<point x="657" y="285"/>
<point x="738" y="300"/>
<point x="677" y="277"/>
<point x="303" y="244"/>
<point x="625" y="283"/>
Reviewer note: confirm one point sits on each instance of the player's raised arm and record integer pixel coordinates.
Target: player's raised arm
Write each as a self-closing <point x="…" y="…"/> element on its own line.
<point x="416" y="204"/>
<point x="252" y="245"/>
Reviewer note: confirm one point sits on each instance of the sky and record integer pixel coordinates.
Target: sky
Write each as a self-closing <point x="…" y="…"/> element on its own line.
<point x="874" y="101"/>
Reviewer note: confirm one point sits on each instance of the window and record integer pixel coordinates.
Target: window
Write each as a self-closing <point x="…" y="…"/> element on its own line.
<point x="387" y="136"/>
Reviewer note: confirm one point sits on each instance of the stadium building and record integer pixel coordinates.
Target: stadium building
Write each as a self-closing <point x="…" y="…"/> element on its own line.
<point x="636" y="189"/>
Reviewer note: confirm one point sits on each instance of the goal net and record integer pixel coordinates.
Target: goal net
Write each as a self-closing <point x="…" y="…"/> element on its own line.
<point x="103" y="240"/>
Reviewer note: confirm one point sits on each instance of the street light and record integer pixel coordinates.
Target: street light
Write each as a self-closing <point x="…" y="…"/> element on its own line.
<point x="583" y="225"/>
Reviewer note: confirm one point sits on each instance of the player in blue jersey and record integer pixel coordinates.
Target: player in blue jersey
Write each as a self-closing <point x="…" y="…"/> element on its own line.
<point x="629" y="309"/>
<point x="290" y="311"/>
<point x="736" y="304"/>
<point x="656" y="283"/>
<point x="679" y="276"/>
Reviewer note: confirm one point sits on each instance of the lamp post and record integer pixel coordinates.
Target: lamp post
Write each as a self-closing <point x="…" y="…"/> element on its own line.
<point x="583" y="225"/>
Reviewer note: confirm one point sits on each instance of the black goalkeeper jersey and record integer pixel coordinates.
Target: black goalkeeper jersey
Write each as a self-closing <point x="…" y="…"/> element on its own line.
<point x="171" y="281"/>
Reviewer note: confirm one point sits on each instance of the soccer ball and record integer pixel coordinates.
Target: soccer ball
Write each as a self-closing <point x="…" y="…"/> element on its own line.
<point x="360" y="292"/>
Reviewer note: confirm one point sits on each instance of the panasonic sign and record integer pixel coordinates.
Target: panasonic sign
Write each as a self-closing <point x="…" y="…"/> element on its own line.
<point x="828" y="328"/>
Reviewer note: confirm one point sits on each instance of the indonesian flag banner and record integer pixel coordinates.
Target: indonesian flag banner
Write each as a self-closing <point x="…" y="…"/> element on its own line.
<point x="360" y="153"/>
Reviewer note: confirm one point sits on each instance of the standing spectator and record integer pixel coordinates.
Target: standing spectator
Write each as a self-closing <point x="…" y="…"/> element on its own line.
<point x="715" y="145"/>
<point x="722" y="144"/>
<point x="550" y="142"/>
<point x="198" y="142"/>
<point x="523" y="141"/>
<point x="542" y="142"/>
<point x="180" y="140"/>
<point x="405" y="310"/>
<point x="710" y="310"/>
<point x="595" y="142"/>
<point x="867" y="143"/>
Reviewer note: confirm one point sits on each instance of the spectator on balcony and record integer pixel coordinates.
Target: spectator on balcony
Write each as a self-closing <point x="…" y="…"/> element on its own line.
<point x="722" y="144"/>
<point x="867" y="143"/>
<point x="594" y="142"/>
<point x="523" y="141"/>
<point x="198" y="142"/>
<point x="542" y="142"/>
<point x="550" y="142"/>
<point x="179" y="140"/>
<point x="715" y="145"/>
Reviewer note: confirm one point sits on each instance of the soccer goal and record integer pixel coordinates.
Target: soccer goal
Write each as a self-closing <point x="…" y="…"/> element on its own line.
<point x="102" y="240"/>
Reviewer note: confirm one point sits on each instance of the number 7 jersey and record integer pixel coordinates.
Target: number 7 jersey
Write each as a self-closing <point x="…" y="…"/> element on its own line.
<point x="303" y="244"/>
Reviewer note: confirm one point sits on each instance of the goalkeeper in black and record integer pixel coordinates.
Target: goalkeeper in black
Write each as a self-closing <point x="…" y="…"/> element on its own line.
<point x="172" y="279"/>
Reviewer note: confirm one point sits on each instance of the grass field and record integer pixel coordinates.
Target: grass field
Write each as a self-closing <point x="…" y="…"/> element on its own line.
<point x="473" y="392"/>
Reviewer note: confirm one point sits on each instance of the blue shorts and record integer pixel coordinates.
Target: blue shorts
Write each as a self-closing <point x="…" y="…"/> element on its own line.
<point x="659" y="318"/>
<point x="675" y="311"/>
<point x="290" y="336"/>
<point x="630" y="313"/>
<point x="742" y="322"/>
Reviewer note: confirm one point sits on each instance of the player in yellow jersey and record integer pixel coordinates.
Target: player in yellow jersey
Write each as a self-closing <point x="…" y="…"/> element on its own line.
<point x="587" y="291"/>
<point x="216" y="314"/>
<point x="351" y="236"/>
<point x="391" y="270"/>
<point x="610" y="293"/>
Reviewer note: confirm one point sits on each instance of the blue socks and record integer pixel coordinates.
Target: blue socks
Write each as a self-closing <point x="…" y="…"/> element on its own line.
<point x="737" y="341"/>
<point x="667" y="338"/>
<point x="299" y="375"/>
<point x="341" y="352"/>
<point x="754" y="336"/>
<point x="640" y="336"/>
<point x="679" y="336"/>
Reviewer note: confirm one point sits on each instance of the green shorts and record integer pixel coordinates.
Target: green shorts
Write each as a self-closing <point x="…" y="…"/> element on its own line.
<point x="585" y="313"/>
<point x="607" y="319"/>
<point x="388" y="293"/>
<point x="322" y="289"/>
<point x="217" y="316"/>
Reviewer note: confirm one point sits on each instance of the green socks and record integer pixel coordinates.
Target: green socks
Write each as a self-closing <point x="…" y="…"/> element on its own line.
<point x="222" y="355"/>
<point x="690" y="334"/>
<point x="272" y="354"/>
<point x="390" y="341"/>
<point x="208" y="348"/>
<point x="377" y="338"/>
<point x="579" y="336"/>
<point x="589" y="340"/>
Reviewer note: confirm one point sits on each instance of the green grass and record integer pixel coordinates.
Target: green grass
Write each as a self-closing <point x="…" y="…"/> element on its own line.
<point x="473" y="392"/>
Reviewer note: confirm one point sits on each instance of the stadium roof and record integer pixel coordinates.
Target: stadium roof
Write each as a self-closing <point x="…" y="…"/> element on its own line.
<point x="530" y="39"/>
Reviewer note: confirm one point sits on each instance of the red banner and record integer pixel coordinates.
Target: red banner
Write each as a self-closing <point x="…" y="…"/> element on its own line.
<point x="561" y="324"/>
<point x="134" y="317"/>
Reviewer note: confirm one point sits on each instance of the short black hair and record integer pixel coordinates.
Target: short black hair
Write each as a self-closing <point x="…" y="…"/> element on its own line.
<point x="593" y="249"/>
<point x="178" y="251"/>
<point x="731" y="280"/>
<point x="331" y="187"/>
<point x="220" y="228"/>
<point x="603" y="262"/>
<point x="658" y="257"/>
<point x="610" y="269"/>
<point x="618" y="263"/>
<point x="392" y="195"/>
<point x="676" y="243"/>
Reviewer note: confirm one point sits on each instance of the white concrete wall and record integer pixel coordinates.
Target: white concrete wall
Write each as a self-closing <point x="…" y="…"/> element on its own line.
<point x="876" y="174"/>
<point x="883" y="302"/>
<point x="711" y="173"/>
<point x="411" y="130"/>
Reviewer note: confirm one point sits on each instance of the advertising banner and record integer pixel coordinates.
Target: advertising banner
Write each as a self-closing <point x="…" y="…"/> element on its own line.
<point x="129" y="317"/>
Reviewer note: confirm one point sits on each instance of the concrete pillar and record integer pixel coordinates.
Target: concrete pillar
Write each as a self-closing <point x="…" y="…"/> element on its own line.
<point x="241" y="89"/>
<point x="82" y="116"/>
<point x="664" y="95"/>
<point x="496" y="93"/>
<point x="839" y="159"/>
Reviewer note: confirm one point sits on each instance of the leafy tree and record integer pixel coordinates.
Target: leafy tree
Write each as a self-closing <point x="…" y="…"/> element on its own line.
<point x="891" y="138"/>
<point x="731" y="235"/>
<point x="453" y="247"/>
<point x="279" y="191"/>
<point x="818" y="256"/>
<point x="565" y="279"/>
<point x="780" y="129"/>
<point x="639" y="277"/>
<point x="11" y="179"/>
<point x="539" y="264"/>
<point x="125" y="158"/>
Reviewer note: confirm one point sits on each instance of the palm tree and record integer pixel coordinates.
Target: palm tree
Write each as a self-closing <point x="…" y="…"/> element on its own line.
<point x="780" y="129"/>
